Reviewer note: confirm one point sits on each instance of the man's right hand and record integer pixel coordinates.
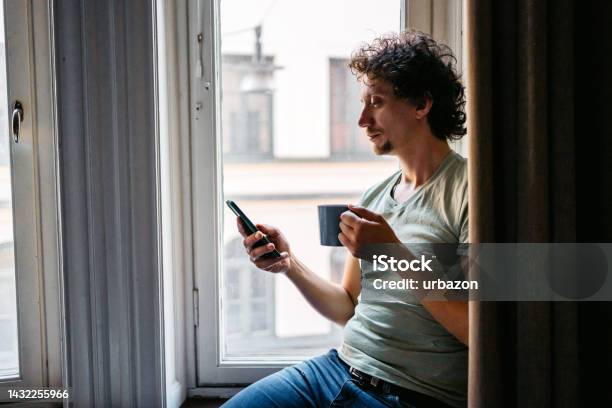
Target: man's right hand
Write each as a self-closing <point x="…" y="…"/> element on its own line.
<point x="278" y="242"/>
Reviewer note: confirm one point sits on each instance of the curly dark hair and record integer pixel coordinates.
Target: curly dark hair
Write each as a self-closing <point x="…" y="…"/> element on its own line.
<point x="417" y="67"/>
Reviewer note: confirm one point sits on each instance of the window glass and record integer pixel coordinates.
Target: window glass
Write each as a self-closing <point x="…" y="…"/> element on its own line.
<point x="247" y="115"/>
<point x="9" y="349"/>
<point x="290" y="140"/>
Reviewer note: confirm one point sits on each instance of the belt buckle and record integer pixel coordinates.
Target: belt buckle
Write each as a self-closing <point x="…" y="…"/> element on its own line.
<point x="356" y="375"/>
<point x="362" y="381"/>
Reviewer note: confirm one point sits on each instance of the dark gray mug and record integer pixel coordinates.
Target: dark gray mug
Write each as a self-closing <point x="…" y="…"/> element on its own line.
<point x="329" y="223"/>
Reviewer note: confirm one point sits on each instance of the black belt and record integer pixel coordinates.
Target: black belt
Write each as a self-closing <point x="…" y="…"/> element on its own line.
<point x="420" y="400"/>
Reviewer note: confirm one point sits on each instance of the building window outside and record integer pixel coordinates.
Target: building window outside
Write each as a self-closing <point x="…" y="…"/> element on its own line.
<point x="247" y="116"/>
<point x="248" y="309"/>
<point x="346" y="138"/>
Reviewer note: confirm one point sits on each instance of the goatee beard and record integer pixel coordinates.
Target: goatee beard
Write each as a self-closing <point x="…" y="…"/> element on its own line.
<point x="385" y="148"/>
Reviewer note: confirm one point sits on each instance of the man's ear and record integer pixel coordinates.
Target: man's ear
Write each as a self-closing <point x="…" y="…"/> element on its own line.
<point x="424" y="106"/>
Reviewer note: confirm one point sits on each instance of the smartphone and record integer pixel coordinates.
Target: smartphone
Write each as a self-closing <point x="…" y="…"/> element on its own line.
<point x="250" y="228"/>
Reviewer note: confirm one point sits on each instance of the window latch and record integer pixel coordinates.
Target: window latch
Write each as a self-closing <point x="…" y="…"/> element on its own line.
<point x="16" y="120"/>
<point x="200" y="65"/>
<point x="196" y="307"/>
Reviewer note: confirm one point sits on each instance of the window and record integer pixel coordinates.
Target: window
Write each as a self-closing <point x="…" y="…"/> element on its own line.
<point x="346" y="139"/>
<point x="30" y="309"/>
<point x="248" y="310"/>
<point x="274" y="127"/>
<point x="247" y="114"/>
<point x="262" y="136"/>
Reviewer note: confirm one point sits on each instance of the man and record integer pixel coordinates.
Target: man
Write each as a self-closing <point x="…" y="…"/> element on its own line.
<point x="407" y="353"/>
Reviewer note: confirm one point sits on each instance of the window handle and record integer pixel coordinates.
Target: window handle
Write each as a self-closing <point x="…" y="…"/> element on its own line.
<point x="17" y="119"/>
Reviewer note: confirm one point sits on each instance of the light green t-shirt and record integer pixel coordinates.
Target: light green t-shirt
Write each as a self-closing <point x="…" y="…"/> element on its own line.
<point x="399" y="341"/>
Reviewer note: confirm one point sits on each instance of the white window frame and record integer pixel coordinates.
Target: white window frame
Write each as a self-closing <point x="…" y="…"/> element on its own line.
<point x="206" y="156"/>
<point x="171" y="84"/>
<point x="192" y="108"/>
<point x="36" y="198"/>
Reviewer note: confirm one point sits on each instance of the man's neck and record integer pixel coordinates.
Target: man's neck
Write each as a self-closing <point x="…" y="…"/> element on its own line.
<point x="420" y="161"/>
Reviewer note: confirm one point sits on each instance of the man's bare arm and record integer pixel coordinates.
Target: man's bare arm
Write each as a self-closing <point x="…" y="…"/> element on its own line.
<point x="335" y="302"/>
<point x="452" y="315"/>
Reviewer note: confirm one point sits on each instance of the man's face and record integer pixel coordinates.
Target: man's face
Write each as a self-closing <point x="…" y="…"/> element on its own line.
<point x="388" y="121"/>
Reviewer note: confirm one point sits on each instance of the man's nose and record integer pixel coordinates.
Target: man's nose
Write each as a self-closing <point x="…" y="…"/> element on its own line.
<point x="365" y="119"/>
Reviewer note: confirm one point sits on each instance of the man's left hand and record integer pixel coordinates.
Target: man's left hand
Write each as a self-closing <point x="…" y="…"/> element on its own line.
<point x="360" y="227"/>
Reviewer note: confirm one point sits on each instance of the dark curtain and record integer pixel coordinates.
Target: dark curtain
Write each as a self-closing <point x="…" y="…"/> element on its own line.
<point x="540" y="165"/>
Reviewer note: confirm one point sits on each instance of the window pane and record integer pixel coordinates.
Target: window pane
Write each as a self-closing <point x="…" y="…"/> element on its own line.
<point x="290" y="141"/>
<point x="9" y="350"/>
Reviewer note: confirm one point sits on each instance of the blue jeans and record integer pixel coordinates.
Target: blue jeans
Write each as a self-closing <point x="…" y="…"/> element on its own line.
<point x="322" y="381"/>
